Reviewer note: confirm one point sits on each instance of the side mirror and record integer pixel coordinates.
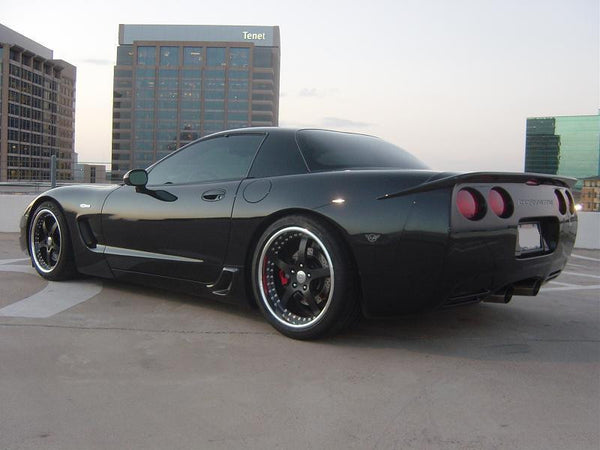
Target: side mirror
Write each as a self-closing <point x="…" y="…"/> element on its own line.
<point x="136" y="177"/>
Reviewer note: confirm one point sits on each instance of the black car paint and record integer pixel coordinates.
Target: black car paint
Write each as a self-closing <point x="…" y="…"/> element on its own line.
<point x="411" y="248"/>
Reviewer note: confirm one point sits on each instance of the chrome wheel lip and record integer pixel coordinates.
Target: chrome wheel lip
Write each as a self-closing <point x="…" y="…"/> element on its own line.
<point x="261" y="267"/>
<point x="41" y="215"/>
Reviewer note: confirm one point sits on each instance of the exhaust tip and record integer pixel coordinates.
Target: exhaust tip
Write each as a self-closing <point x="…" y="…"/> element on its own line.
<point x="503" y="296"/>
<point x="528" y="288"/>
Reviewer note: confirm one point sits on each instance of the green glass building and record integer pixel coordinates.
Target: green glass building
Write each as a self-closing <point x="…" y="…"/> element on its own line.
<point x="176" y="83"/>
<point x="564" y="145"/>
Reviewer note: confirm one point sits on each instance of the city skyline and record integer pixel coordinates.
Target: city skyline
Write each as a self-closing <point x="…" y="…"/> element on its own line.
<point x="451" y="83"/>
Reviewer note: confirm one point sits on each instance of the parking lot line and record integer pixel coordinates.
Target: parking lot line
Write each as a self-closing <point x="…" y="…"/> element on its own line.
<point x="572" y="288"/>
<point x="11" y="261"/>
<point x="585" y="257"/>
<point x="581" y="274"/>
<point x="53" y="299"/>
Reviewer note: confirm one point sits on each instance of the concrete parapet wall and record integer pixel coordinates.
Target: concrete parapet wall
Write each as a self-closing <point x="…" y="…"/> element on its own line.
<point x="11" y="210"/>
<point x="588" y="231"/>
<point x="13" y="205"/>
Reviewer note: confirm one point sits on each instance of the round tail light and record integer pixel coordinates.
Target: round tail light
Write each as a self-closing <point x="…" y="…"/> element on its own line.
<point x="562" y="204"/>
<point x="500" y="202"/>
<point x="571" y="202"/>
<point x="470" y="203"/>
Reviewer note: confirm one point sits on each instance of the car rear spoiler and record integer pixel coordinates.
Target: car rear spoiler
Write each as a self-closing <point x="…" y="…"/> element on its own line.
<point x="448" y="179"/>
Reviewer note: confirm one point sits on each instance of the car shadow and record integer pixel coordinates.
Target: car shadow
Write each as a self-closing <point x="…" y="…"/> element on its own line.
<point x="519" y="332"/>
<point x="524" y="330"/>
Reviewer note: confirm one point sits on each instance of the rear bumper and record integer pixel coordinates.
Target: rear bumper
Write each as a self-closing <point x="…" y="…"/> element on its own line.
<point x="480" y="266"/>
<point x="462" y="268"/>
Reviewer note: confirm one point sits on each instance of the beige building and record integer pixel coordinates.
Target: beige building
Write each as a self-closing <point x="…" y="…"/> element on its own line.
<point x="590" y="194"/>
<point x="37" y="112"/>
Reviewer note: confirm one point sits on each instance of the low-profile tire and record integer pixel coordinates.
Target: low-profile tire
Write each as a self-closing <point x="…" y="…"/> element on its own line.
<point x="303" y="278"/>
<point x="50" y="246"/>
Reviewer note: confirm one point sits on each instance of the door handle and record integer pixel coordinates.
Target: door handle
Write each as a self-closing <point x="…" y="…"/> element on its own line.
<point x="213" y="195"/>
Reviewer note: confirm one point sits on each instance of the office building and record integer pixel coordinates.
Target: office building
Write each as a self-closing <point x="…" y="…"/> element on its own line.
<point x="176" y="83"/>
<point x="564" y="145"/>
<point x="590" y="194"/>
<point x="90" y="173"/>
<point x="37" y="113"/>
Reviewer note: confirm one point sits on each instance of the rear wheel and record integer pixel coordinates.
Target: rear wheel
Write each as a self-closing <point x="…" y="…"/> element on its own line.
<point x="303" y="280"/>
<point x="49" y="243"/>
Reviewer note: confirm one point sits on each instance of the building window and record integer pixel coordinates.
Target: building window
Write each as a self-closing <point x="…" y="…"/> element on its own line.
<point x="239" y="57"/>
<point x="263" y="57"/>
<point x="192" y="56"/>
<point x="124" y="55"/>
<point x="169" y="56"/>
<point x="146" y="56"/>
<point x="215" y="56"/>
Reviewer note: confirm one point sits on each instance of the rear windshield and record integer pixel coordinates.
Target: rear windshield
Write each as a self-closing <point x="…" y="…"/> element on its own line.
<point x="332" y="150"/>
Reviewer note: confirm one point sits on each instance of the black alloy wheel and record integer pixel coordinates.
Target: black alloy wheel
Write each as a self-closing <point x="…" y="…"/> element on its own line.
<point x="303" y="280"/>
<point x="49" y="244"/>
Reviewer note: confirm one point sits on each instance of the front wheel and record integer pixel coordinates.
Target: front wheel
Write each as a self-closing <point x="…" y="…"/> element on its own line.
<point x="49" y="243"/>
<point x="303" y="279"/>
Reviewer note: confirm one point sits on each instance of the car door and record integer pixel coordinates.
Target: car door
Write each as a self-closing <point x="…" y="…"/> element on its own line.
<point x="178" y="224"/>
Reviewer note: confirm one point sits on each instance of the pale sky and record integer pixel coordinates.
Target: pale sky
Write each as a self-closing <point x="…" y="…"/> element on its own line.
<point x="450" y="81"/>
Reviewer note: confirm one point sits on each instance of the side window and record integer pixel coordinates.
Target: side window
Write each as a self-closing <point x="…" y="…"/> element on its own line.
<point x="220" y="158"/>
<point x="279" y="155"/>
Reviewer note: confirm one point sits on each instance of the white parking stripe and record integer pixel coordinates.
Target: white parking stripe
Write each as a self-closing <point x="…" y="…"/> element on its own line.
<point x="17" y="268"/>
<point x="10" y="261"/>
<point x="585" y="257"/>
<point x="581" y="274"/>
<point x="571" y="288"/>
<point x="53" y="299"/>
<point x="563" y="284"/>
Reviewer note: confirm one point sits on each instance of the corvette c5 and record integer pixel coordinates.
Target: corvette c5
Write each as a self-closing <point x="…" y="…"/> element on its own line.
<point x="314" y="227"/>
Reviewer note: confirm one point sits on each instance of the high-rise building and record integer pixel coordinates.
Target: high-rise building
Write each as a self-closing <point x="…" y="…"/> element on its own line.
<point x="564" y="145"/>
<point x="37" y="113"/>
<point x="176" y="83"/>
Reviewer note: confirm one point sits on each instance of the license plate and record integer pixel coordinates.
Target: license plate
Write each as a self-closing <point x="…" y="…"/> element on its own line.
<point x="529" y="237"/>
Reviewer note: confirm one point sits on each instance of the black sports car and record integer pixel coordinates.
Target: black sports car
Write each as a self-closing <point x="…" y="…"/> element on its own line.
<point x="312" y="226"/>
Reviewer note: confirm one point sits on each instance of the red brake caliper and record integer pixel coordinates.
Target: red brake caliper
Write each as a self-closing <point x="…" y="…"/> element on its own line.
<point x="284" y="280"/>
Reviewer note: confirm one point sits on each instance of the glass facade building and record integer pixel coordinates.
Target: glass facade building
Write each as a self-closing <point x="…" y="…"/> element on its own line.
<point x="37" y="113"/>
<point x="564" y="145"/>
<point x="176" y="83"/>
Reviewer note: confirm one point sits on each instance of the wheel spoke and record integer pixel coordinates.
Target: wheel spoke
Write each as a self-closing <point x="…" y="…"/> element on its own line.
<point x="312" y="303"/>
<point x="322" y="272"/>
<point x="44" y="227"/>
<point x="53" y="228"/>
<point x="51" y="256"/>
<point x="302" y="249"/>
<point x="286" y="296"/>
<point x="283" y="266"/>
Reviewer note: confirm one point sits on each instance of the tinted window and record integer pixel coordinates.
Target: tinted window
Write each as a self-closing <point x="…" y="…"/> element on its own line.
<point x="221" y="158"/>
<point x="146" y="56"/>
<point x="278" y="155"/>
<point x="331" y="150"/>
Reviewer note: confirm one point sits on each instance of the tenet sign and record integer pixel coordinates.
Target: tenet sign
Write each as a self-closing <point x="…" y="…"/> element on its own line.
<point x="262" y="36"/>
<point x="254" y="36"/>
